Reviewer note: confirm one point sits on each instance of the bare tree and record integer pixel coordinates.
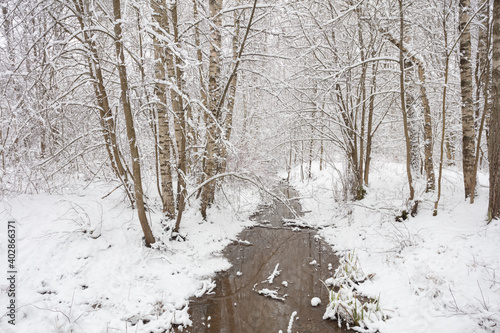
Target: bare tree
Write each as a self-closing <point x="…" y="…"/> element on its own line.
<point x="494" y="144"/>
<point x="129" y="121"/>
<point x="214" y="93"/>
<point x="468" y="128"/>
<point x="404" y="103"/>
<point x="106" y="114"/>
<point x="159" y="8"/>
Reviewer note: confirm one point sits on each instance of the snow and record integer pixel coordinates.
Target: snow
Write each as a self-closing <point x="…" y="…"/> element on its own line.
<point x="82" y="265"/>
<point x="433" y="274"/>
<point x="272" y="294"/>
<point x="290" y="324"/>
<point x="276" y="272"/>
<point x="330" y="282"/>
<point x="315" y="301"/>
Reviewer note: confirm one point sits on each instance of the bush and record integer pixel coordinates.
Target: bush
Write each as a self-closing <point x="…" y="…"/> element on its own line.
<point x="344" y="303"/>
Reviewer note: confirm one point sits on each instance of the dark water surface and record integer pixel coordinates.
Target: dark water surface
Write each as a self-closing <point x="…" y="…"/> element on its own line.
<point x="303" y="258"/>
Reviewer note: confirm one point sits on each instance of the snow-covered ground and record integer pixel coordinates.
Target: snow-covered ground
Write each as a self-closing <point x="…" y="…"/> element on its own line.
<point x="82" y="266"/>
<point x="433" y="274"/>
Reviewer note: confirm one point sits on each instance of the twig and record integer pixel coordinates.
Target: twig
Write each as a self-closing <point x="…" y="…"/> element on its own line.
<point x="107" y="195"/>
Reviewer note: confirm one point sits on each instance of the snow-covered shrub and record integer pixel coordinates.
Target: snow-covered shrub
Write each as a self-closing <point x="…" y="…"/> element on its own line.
<point x="344" y="304"/>
<point x="349" y="271"/>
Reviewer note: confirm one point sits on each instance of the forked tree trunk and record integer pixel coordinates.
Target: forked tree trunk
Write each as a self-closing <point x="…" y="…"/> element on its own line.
<point x="129" y="122"/>
<point x="494" y="137"/>
<point x="468" y="128"/>
<point x="414" y="59"/>
<point x="351" y="149"/>
<point x="105" y="112"/>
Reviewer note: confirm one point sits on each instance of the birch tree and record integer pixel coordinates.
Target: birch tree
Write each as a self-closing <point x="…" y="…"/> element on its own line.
<point x="214" y="93"/>
<point x="404" y="104"/>
<point x="160" y="18"/>
<point x="468" y="128"/>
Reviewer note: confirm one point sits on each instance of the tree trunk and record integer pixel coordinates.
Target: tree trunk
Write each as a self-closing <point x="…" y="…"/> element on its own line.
<point x="443" y="112"/>
<point x="179" y="120"/>
<point x="228" y="121"/>
<point x="412" y="118"/>
<point x="129" y="121"/>
<point x="494" y="137"/>
<point x="428" y="144"/>
<point x="203" y="89"/>
<point x="369" y="131"/>
<point x="360" y="192"/>
<point x="105" y="112"/>
<point x="159" y="9"/>
<point x="481" y="73"/>
<point x="215" y="7"/>
<point x="468" y="132"/>
<point x="414" y="60"/>
<point x="403" y="104"/>
<point x="482" y="81"/>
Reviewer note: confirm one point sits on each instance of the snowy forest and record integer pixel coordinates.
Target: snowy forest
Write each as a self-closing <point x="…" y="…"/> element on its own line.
<point x="250" y="166"/>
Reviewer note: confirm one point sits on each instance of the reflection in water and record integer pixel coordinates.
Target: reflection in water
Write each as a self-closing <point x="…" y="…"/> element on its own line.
<point x="236" y="306"/>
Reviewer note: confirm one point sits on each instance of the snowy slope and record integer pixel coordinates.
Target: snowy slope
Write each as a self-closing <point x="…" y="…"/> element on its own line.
<point x="82" y="266"/>
<point x="434" y="274"/>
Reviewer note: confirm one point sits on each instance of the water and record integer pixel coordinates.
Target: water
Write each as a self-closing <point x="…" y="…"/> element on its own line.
<point x="304" y="260"/>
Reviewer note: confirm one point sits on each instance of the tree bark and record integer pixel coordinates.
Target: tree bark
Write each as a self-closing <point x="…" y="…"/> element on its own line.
<point x="360" y="192"/>
<point x="494" y="137"/>
<point x="129" y="121"/>
<point x="215" y="8"/>
<point x="105" y="112"/>
<point x="443" y="112"/>
<point x="369" y="131"/>
<point x="468" y="128"/>
<point x="412" y="120"/>
<point x="414" y="59"/>
<point x="228" y="121"/>
<point x="428" y="144"/>
<point x="180" y="119"/>
<point x="403" y="103"/>
<point x="482" y="85"/>
<point x="159" y="8"/>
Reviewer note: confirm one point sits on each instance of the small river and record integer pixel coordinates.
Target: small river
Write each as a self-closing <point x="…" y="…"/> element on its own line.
<point x="303" y="259"/>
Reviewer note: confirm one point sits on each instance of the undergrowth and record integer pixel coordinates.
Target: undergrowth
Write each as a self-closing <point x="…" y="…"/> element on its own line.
<point x="345" y="304"/>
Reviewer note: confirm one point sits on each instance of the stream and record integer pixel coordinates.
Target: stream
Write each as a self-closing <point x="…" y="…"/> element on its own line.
<point x="304" y="259"/>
